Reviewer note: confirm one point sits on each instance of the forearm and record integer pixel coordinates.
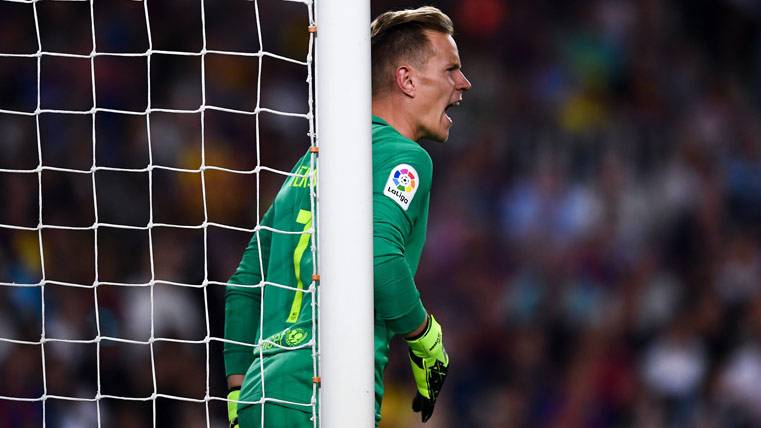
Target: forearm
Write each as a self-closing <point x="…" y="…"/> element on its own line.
<point x="242" y="304"/>
<point x="241" y="325"/>
<point x="397" y="300"/>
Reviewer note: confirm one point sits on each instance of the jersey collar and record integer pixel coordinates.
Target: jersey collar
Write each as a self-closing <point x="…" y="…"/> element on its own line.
<point x="378" y="121"/>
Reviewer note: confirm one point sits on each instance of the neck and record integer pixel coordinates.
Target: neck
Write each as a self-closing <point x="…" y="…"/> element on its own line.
<point x="394" y="111"/>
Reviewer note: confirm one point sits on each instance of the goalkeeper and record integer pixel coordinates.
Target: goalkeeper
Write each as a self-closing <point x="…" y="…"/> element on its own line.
<point x="416" y="78"/>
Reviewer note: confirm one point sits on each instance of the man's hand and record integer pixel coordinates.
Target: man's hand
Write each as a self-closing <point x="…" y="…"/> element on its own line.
<point x="232" y="407"/>
<point x="430" y="364"/>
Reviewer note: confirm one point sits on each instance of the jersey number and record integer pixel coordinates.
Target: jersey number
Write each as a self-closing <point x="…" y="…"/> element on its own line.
<point x="305" y="218"/>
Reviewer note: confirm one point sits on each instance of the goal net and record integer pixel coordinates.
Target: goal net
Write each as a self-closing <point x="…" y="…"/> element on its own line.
<point x="140" y="144"/>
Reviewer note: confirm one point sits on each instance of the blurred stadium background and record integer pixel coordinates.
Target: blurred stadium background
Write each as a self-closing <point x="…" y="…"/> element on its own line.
<point x="594" y="249"/>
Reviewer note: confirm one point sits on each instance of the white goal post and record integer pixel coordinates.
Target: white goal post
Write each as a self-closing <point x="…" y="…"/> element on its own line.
<point x="345" y="214"/>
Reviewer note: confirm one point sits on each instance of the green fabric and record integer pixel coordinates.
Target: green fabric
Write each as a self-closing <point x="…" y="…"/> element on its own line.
<point x="286" y="376"/>
<point x="398" y="240"/>
<point x="275" y="416"/>
<point x="287" y="314"/>
<point x="242" y="304"/>
<point x="398" y="235"/>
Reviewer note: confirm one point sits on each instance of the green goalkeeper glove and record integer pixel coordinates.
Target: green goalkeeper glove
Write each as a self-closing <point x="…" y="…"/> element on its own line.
<point x="430" y="364"/>
<point x="232" y="407"/>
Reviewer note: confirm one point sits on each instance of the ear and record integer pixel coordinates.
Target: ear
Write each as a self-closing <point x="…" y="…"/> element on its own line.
<point x="404" y="80"/>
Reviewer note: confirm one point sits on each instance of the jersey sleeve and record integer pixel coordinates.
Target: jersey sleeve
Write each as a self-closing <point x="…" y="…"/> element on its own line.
<point x="242" y="304"/>
<point x="397" y="300"/>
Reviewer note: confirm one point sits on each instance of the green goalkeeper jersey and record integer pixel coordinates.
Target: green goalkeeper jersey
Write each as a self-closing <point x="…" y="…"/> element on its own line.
<point x="402" y="173"/>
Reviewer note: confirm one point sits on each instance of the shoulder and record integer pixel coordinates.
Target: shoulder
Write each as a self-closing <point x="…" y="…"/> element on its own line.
<point x="391" y="148"/>
<point x="390" y="157"/>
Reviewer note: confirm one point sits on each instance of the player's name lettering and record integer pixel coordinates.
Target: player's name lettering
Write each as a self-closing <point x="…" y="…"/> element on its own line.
<point x="398" y="194"/>
<point x="302" y="179"/>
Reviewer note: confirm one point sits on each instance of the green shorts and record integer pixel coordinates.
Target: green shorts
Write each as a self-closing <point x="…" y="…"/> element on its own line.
<point x="275" y="416"/>
<point x="287" y="377"/>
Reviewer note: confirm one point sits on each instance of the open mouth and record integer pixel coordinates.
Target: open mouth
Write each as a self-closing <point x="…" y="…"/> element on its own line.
<point x="454" y="104"/>
<point x="446" y="109"/>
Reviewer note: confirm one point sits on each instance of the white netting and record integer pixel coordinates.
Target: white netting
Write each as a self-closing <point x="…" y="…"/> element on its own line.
<point x="124" y="180"/>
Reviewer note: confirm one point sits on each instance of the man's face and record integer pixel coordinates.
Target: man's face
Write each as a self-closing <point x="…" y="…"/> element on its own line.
<point x="441" y="83"/>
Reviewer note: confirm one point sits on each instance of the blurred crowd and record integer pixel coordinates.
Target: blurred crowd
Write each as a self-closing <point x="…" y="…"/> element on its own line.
<point x="594" y="243"/>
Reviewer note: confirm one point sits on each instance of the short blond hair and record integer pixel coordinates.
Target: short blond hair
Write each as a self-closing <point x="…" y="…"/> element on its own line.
<point x="400" y="36"/>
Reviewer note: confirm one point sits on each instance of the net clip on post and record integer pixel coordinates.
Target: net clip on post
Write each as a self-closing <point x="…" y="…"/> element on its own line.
<point x="314" y="149"/>
<point x="312" y="28"/>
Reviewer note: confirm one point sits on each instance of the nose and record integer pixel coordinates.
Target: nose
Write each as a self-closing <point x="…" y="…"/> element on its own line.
<point x="463" y="84"/>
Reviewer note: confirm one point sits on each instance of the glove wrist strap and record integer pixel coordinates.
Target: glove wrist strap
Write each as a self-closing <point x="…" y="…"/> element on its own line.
<point x="428" y="343"/>
<point x="422" y="333"/>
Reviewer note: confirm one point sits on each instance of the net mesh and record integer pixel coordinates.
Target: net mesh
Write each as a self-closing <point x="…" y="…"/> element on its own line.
<point x="132" y="132"/>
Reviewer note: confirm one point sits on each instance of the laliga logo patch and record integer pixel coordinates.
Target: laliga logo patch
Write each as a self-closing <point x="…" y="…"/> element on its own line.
<point x="402" y="184"/>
